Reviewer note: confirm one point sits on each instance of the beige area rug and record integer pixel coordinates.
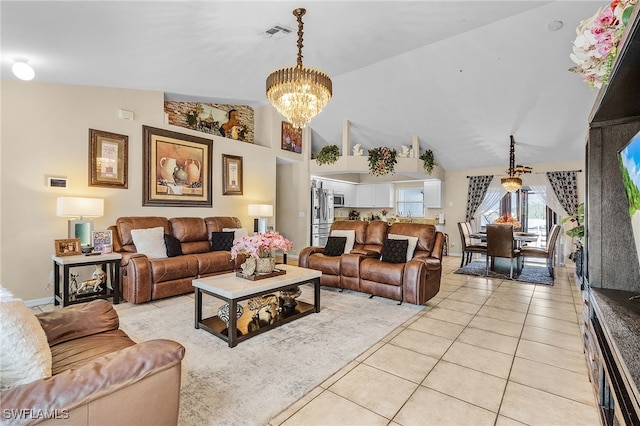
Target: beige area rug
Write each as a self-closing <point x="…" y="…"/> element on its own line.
<point x="253" y="382"/>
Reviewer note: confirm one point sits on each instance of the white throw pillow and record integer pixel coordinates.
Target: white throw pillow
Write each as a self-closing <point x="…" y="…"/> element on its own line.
<point x="411" y="247"/>
<point x="238" y="233"/>
<point x="351" y="238"/>
<point x="150" y="241"/>
<point x="26" y="355"/>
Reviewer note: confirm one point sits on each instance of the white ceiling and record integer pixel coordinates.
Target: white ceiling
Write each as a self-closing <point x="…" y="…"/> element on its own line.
<point x="460" y="75"/>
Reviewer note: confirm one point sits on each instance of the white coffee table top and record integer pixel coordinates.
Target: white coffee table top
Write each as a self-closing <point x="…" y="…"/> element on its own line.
<point x="78" y="259"/>
<point x="232" y="287"/>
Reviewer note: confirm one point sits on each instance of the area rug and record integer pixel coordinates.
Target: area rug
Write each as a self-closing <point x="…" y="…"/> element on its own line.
<point x="253" y="382"/>
<point x="530" y="273"/>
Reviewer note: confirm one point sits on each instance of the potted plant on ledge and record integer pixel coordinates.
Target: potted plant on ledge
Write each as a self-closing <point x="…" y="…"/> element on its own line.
<point x="382" y="161"/>
<point x="328" y="155"/>
<point x="577" y="232"/>
<point x="428" y="161"/>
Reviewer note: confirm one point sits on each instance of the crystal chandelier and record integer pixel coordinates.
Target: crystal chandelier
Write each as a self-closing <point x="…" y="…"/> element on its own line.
<point x="512" y="182"/>
<point x="299" y="93"/>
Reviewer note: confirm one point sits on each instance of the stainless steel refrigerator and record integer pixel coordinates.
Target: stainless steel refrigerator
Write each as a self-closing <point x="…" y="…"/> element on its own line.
<point x="321" y="215"/>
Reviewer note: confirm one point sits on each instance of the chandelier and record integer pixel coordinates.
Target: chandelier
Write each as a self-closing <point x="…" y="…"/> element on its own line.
<point x="512" y="182"/>
<point x="299" y="93"/>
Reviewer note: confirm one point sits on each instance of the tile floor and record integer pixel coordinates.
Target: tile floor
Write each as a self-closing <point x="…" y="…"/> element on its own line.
<point x="483" y="352"/>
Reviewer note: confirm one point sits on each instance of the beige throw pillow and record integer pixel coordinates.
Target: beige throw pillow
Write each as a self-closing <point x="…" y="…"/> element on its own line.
<point x="150" y="242"/>
<point x="26" y="355"/>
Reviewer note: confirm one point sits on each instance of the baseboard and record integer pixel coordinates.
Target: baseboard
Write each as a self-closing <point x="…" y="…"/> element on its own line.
<point x="38" y="302"/>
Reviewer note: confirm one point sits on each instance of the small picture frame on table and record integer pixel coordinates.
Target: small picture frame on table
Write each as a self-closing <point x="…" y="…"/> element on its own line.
<point x="68" y="247"/>
<point x="102" y="240"/>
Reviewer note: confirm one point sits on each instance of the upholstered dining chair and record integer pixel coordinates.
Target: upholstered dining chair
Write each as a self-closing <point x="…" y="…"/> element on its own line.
<point x="468" y="247"/>
<point x="500" y="243"/>
<point x="544" y="252"/>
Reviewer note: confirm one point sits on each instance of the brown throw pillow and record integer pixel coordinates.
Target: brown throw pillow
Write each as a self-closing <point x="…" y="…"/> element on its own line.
<point x="335" y="246"/>
<point x="394" y="251"/>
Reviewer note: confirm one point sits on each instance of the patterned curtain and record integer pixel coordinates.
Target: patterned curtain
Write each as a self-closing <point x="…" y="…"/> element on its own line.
<point x="477" y="189"/>
<point x="565" y="187"/>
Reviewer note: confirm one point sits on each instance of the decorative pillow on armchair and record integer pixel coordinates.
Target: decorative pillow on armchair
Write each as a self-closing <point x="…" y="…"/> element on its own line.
<point x="335" y="246"/>
<point x="394" y="251"/>
<point x="26" y="355"/>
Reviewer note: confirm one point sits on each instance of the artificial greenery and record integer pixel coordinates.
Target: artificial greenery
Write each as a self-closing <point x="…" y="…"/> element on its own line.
<point x="578" y="218"/>
<point x="382" y="161"/>
<point x="328" y="155"/>
<point x="428" y="161"/>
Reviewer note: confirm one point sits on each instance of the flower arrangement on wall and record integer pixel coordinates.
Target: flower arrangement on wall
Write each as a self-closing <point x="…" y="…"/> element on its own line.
<point x="261" y="245"/>
<point x="596" y="45"/>
<point x="382" y="161"/>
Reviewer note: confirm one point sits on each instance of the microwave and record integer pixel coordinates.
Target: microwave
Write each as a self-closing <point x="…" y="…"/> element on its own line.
<point x="338" y="199"/>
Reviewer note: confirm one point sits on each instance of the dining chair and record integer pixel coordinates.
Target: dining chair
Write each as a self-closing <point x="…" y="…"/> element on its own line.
<point x="468" y="247"/>
<point x="500" y="243"/>
<point x="544" y="252"/>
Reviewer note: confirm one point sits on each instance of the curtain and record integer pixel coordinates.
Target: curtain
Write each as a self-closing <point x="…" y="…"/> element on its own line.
<point x="565" y="186"/>
<point x="495" y="192"/>
<point x="477" y="189"/>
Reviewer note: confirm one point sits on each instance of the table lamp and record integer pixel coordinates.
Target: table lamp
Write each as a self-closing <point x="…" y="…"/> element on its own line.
<point x="260" y="211"/>
<point x="78" y="207"/>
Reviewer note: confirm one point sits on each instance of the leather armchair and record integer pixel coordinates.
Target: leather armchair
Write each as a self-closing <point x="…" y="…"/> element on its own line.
<point x="100" y="375"/>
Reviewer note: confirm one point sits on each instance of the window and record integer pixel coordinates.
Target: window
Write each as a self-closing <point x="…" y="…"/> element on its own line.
<point x="410" y="202"/>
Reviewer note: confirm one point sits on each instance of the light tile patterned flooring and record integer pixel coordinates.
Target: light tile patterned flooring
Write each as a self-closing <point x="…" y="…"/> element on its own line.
<point x="483" y="352"/>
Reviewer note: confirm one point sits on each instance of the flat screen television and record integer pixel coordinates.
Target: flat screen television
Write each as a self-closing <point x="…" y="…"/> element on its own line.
<point x="629" y="157"/>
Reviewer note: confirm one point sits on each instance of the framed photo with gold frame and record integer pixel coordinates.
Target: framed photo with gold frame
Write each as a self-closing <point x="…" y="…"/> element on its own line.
<point x="68" y="247"/>
<point x="231" y="175"/>
<point x="291" y="138"/>
<point x="108" y="159"/>
<point x="176" y="169"/>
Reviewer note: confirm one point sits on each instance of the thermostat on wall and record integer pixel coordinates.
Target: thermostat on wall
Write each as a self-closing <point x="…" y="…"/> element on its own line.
<point x="56" y="182"/>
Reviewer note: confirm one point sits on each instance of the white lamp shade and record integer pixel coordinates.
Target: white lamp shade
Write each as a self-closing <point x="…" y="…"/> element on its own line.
<point x="261" y="210"/>
<point x="80" y="207"/>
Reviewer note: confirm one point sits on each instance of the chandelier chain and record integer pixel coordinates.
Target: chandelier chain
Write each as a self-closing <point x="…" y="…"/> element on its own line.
<point x="298" y="14"/>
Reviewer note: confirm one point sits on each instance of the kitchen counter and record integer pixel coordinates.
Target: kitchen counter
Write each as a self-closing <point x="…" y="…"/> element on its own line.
<point x="401" y="220"/>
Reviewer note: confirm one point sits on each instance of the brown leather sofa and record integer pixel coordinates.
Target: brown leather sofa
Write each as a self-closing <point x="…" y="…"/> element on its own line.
<point x="99" y="375"/>
<point x="415" y="281"/>
<point x="145" y="279"/>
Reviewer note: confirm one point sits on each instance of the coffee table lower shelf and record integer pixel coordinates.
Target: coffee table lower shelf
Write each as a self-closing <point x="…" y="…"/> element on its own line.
<point x="248" y="326"/>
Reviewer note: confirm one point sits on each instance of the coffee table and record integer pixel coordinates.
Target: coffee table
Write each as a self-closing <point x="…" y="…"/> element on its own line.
<point x="233" y="289"/>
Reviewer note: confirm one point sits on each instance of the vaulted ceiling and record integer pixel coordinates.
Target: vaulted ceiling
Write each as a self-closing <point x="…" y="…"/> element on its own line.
<point x="460" y="75"/>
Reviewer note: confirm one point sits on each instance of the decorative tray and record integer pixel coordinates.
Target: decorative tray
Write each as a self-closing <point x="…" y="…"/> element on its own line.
<point x="256" y="277"/>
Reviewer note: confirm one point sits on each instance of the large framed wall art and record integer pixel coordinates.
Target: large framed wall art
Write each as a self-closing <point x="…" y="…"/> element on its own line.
<point x="176" y="169"/>
<point x="108" y="159"/>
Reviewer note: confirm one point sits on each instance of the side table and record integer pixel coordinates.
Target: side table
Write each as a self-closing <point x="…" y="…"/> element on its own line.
<point x="66" y="296"/>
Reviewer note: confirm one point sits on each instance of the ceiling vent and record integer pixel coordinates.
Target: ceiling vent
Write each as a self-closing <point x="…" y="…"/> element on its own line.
<point x="277" y="32"/>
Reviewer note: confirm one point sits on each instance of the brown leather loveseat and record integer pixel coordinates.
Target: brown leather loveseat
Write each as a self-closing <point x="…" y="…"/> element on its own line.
<point x="414" y="281"/>
<point x="145" y="279"/>
<point x="99" y="375"/>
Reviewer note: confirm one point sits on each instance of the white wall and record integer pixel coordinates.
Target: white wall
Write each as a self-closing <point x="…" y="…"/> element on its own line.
<point x="45" y="130"/>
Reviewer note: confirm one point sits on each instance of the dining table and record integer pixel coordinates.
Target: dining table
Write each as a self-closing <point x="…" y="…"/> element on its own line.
<point x="502" y="265"/>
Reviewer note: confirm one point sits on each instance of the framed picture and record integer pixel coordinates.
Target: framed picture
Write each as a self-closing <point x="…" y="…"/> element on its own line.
<point x="176" y="169"/>
<point x="102" y="241"/>
<point x="231" y="175"/>
<point x="68" y="247"/>
<point x="108" y="159"/>
<point x="291" y="138"/>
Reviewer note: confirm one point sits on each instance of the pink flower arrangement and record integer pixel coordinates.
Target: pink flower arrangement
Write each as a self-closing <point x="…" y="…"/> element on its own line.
<point x="596" y="44"/>
<point x="260" y="245"/>
<point x="507" y="219"/>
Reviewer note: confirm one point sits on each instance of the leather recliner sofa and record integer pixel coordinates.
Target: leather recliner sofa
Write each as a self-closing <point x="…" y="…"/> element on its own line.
<point x="415" y="281"/>
<point x="99" y="375"/>
<point x="145" y="279"/>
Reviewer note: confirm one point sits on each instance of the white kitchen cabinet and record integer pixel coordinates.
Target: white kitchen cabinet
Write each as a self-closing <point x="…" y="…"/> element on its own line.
<point x="375" y="195"/>
<point x="433" y="194"/>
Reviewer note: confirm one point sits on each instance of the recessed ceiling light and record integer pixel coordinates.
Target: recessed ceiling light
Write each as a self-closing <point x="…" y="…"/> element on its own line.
<point x="22" y="69"/>
<point x="555" y="25"/>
